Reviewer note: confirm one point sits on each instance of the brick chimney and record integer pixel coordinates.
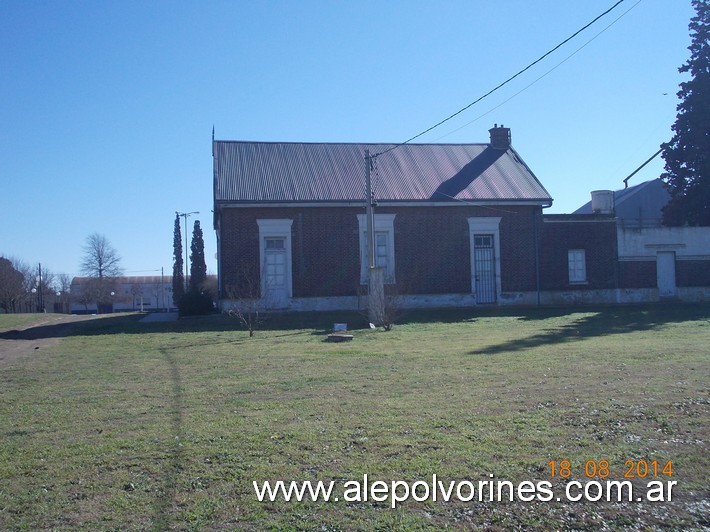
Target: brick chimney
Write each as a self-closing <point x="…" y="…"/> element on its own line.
<point x="500" y="137"/>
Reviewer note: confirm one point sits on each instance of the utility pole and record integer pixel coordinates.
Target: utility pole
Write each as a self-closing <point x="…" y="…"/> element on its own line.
<point x="184" y="217"/>
<point x="376" y="279"/>
<point x="40" y="296"/>
<point x="369" y="209"/>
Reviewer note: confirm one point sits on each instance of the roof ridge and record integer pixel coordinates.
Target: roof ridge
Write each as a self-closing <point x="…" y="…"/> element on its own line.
<point x="351" y="143"/>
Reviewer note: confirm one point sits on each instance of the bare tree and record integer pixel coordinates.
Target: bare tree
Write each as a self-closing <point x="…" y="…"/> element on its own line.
<point x="12" y="287"/>
<point x="100" y="258"/>
<point x="245" y="301"/>
<point x="136" y="291"/>
<point x="28" y="284"/>
<point x="63" y="286"/>
<point x="101" y="291"/>
<point x="45" y="282"/>
<point x="83" y="295"/>
<point x="394" y="307"/>
<point x="102" y="263"/>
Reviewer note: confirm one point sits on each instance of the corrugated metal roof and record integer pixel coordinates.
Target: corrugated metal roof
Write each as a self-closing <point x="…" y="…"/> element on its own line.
<point x="273" y="172"/>
<point x="643" y="201"/>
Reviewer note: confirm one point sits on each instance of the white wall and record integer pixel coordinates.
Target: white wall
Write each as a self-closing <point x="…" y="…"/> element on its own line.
<point x="687" y="242"/>
<point x="156" y="296"/>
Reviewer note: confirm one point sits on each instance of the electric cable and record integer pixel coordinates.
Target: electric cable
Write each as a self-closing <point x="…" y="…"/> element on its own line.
<point x="503" y="83"/>
<point x="542" y="76"/>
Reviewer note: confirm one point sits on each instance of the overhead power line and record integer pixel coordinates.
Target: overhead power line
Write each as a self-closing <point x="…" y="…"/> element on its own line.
<point x="511" y="78"/>
<point x="570" y="56"/>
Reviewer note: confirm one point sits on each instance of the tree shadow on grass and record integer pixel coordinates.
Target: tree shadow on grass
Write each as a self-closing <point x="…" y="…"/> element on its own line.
<point x="599" y="322"/>
<point x="166" y="499"/>
<point x="107" y="324"/>
<point x="74" y="325"/>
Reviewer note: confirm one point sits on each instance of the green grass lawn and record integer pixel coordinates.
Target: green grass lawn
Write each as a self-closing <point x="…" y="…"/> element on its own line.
<point x="127" y="425"/>
<point x="11" y="321"/>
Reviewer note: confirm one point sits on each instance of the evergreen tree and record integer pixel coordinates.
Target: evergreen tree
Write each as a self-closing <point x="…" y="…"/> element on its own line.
<point x="197" y="300"/>
<point x="198" y="268"/>
<point x="687" y="155"/>
<point x="178" y="276"/>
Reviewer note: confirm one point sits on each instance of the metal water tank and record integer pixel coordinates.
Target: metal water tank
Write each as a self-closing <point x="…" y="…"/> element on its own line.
<point x="603" y="201"/>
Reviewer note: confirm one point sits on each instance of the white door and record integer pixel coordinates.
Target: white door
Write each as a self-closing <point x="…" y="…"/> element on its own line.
<point x="665" y="272"/>
<point x="275" y="270"/>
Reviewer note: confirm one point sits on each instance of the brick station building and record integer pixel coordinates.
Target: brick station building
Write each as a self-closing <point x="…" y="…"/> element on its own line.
<point x="454" y="225"/>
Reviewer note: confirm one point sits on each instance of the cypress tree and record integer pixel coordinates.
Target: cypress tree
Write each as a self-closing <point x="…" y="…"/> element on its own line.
<point x="178" y="276"/>
<point x="197" y="300"/>
<point x="198" y="267"/>
<point x="687" y="155"/>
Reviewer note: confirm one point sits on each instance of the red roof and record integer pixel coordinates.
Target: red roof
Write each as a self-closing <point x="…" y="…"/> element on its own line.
<point x="283" y="172"/>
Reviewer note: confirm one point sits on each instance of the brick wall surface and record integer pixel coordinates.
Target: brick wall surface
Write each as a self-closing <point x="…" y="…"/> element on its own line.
<point x="239" y="253"/>
<point x="519" y="228"/>
<point x="432" y="248"/>
<point x="325" y="262"/>
<point x="692" y="273"/>
<point x="637" y="274"/>
<point x="432" y="251"/>
<point x="598" y="240"/>
<point x="642" y="274"/>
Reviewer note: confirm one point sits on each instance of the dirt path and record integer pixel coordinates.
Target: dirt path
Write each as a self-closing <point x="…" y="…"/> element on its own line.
<point x="31" y="338"/>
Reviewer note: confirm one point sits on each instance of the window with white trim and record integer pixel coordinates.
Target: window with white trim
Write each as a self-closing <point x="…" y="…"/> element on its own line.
<point x="275" y="243"/>
<point x="384" y="246"/>
<point x="577" y="266"/>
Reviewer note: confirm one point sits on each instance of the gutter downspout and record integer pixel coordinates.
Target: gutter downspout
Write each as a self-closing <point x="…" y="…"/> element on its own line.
<point x="536" y="238"/>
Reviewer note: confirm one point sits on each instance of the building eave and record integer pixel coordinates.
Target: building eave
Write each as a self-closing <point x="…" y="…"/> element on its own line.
<point x="542" y="202"/>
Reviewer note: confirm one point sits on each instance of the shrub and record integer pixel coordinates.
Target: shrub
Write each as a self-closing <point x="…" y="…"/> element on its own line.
<point x="195" y="304"/>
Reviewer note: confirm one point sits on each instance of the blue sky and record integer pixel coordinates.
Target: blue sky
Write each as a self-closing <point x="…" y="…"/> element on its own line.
<point x="107" y="108"/>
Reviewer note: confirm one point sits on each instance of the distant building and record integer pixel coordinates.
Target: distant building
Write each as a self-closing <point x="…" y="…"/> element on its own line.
<point x="140" y="293"/>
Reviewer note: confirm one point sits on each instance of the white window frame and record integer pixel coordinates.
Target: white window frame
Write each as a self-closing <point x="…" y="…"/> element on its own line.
<point x="384" y="223"/>
<point x="478" y="225"/>
<point x="275" y="228"/>
<point x="577" y="266"/>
